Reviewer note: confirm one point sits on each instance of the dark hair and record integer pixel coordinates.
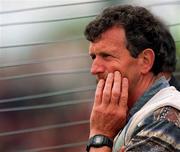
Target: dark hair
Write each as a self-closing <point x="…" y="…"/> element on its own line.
<point x="143" y="30"/>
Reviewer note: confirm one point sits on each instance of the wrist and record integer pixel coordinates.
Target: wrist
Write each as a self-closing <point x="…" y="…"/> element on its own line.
<point x="95" y="132"/>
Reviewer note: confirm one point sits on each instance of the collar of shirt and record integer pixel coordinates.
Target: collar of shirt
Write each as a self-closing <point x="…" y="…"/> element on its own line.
<point x="156" y="87"/>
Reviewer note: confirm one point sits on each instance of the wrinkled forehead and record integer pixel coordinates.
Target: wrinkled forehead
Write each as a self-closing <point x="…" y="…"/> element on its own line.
<point x="112" y="38"/>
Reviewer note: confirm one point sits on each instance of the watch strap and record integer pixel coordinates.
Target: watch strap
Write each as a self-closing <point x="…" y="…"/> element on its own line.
<point x="98" y="141"/>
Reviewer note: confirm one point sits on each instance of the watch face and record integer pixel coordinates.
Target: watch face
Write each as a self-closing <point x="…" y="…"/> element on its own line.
<point x="98" y="140"/>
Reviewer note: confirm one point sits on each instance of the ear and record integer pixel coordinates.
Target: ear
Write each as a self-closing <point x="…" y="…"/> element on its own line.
<point x="146" y="60"/>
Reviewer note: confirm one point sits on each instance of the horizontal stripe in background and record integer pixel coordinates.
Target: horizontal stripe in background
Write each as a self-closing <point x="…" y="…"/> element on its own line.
<point x="46" y="89"/>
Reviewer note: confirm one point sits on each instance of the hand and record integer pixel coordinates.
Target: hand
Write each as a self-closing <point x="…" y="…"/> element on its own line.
<point x="110" y="106"/>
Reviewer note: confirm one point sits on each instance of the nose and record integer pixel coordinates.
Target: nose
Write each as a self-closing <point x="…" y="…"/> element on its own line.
<point x="97" y="67"/>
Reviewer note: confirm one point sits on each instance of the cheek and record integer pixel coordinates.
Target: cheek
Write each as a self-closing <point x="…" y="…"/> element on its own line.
<point x="112" y="68"/>
<point x="122" y="68"/>
<point x="133" y="74"/>
<point x="127" y="69"/>
<point x="130" y="70"/>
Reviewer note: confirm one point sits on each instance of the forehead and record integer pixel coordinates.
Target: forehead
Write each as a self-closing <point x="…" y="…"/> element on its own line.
<point x="114" y="38"/>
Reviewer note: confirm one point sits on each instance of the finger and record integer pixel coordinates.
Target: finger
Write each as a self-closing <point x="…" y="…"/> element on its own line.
<point x="122" y="149"/>
<point x="124" y="93"/>
<point x="107" y="89"/>
<point x="116" y="88"/>
<point x="99" y="90"/>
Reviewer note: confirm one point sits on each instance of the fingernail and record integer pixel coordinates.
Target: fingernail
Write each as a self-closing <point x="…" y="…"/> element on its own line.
<point x="110" y="74"/>
<point x="125" y="80"/>
<point x="116" y="72"/>
<point x="101" y="81"/>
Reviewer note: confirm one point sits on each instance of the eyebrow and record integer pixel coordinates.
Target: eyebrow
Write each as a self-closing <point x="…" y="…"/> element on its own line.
<point x="103" y="52"/>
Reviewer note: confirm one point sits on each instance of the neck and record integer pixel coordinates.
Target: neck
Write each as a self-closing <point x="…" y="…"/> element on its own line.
<point x="142" y="85"/>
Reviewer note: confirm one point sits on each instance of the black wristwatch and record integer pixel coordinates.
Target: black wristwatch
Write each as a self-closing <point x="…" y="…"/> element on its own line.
<point x="98" y="141"/>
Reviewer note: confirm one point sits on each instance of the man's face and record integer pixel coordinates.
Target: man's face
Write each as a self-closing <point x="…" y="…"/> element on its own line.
<point x="109" y="54"/>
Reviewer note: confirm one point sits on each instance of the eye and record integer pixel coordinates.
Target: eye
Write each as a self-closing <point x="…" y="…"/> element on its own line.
<point x="93" y="56"/>
<point x="104" y="55"/>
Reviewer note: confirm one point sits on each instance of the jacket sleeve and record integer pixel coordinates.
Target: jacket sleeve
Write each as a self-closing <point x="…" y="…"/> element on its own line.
<point x="158" y="133"/>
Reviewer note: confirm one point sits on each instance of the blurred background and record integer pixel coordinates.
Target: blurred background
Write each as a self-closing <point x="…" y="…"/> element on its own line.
<point x="46" y="89"/>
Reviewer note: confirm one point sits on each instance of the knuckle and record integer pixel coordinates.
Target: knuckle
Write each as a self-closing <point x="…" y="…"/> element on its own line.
<point x="115" y="94"/>
<point x="106" y="93"/>
<point x="124" y="95"/>
<point x="123" y="98"/>
<point x="108" y="86"/>
<point x="99" y="86"/>
<point x="97" y="95"/>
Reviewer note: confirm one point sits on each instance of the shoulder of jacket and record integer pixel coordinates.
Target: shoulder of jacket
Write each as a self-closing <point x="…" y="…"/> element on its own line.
<point x="168" y="113"/>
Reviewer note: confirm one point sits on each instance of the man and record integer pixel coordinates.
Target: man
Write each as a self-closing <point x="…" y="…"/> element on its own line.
<point x="133" y="105"/>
